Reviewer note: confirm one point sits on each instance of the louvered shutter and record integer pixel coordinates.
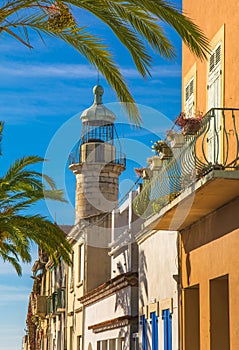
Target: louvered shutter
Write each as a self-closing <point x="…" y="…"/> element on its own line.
<point x="189" y="98"/>
<point x="214" y="101"/>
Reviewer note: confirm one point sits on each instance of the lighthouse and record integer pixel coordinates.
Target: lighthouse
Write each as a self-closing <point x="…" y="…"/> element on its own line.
<point x="97" y="163"/>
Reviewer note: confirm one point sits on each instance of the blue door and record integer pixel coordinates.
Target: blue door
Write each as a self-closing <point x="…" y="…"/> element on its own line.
<point x="144" y="332"/>
<point x="154" y="325"/>
<point x="167" y="321"/>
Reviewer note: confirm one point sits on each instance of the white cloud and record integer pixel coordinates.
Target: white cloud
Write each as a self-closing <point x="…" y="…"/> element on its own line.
<point x="7" y="288"/>
<point x="48" y="70"/>
<point x="76" y="71"/>
<point x="6" y="268"/>
<point x="14" y="294"/>
<point x="14" y="298"/>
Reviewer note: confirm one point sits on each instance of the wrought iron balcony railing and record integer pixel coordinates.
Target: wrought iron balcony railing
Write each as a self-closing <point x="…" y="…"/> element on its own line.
<point x="49" y="306"/>
<point x="61" y="299"/>
<point x="97" y="152"/>
<point x="54" y="302"/>
<point x="215" y="146"/>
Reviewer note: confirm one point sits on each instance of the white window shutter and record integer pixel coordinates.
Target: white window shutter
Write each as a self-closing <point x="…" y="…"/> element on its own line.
<point x="189" y="98"/>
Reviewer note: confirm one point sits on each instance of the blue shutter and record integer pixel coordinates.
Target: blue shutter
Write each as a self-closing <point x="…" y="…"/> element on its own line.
<point x="144" y="332"/>
<point x="167" y="320"/>
<point x="154" y="322"/>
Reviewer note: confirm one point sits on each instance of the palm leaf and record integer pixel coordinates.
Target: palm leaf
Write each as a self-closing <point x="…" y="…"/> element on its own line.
<point x="134" y="22"/>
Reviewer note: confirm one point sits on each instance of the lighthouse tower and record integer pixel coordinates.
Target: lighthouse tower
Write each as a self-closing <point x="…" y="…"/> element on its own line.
<point x="97" y="163"/>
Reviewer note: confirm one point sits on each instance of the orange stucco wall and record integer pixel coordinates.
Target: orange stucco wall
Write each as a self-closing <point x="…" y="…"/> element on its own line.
<point x="211" y="16"/>
<point x="210" y="249"/>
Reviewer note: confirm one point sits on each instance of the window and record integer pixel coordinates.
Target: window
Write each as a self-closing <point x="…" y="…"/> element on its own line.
<point x="167" y="324"/>
<point x="80" y="262"/>
<point x="154" y="325"/>
<point x="112" y="344"/>
<point x="104" y="345"/>
<point x="189" y="98"/>
<point x="71" y="274"/>
<point x="144" y="332"/>
<point x="120" y="344"/>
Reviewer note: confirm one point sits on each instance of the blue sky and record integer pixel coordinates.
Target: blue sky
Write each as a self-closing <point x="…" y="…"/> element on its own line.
<point x="42" y="93"/>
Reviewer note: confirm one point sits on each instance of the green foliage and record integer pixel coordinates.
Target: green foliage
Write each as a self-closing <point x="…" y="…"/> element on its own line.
<point x="20" y="188"/>
<point x="136" y="23"/>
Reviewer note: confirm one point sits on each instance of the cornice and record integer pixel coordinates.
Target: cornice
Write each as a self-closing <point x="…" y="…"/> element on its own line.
<point x="113" y="323"/>
<point x="110" y="287"/>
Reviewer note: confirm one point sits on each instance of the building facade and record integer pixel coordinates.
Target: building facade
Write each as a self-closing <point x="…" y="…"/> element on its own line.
<point x="111" y="310"/>
<point x="208" y="245"/>
<point x="199" y="195"/>
<point x="158" y="261"/>
<point x="46" y="317"/>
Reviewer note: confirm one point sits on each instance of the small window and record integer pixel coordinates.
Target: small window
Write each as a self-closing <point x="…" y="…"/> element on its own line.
<point x="81" y="263"/>
<point x="104" y="345"/>
<point x="112" y="344"/>
<point x="71" y="273"/>
<point x="120" y="343"/>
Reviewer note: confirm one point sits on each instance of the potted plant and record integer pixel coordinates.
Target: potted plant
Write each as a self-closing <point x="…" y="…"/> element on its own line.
<point x="162" y="149"/>
<point x="191" y="125"/>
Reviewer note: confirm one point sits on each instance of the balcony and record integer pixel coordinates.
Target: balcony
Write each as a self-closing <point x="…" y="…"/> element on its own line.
<point x="199" y="179"/>
<point x="56" y="302"/>
<point x="41" y="305"/>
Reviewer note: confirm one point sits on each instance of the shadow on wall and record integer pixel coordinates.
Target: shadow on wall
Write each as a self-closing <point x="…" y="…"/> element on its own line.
<point x="142" y="277"/>
<point x="122" y="301"/>
<point x="123" y="334"/>
<point x="188" y="268"/>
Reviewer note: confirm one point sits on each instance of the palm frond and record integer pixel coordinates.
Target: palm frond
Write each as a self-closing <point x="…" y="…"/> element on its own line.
<point x="169" y="13"/>
<point x="13" y="261"/>
<point x="134" y="22"/>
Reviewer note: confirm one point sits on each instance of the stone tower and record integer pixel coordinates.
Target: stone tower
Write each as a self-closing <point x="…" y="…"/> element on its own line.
<point x="97" y="165"/>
